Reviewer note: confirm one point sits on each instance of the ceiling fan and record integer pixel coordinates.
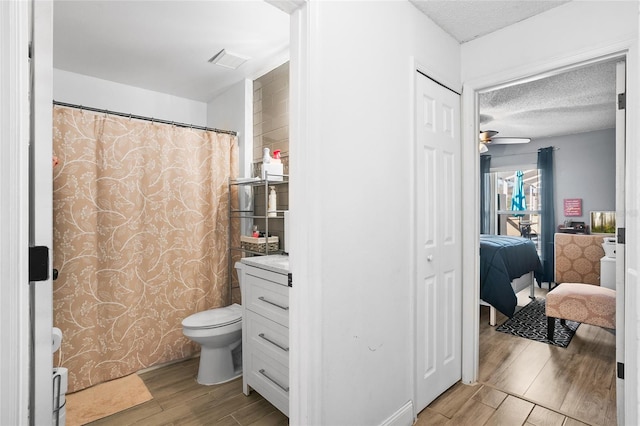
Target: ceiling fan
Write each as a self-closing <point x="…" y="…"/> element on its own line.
<point x="488" y="136"/>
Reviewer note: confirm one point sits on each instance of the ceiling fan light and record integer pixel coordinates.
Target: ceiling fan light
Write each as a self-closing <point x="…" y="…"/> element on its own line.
<point x="482" y="148"/>
<point x="486" y="135"/>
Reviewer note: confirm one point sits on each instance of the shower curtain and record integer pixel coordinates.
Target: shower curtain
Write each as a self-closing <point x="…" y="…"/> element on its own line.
<point x="140" y="239"/>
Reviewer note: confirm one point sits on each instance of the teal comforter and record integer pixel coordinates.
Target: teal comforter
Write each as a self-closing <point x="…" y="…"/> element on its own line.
<point x="502" y="259"/>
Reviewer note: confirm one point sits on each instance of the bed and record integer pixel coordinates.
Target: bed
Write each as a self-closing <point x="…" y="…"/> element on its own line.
<point x="507" y="265"/>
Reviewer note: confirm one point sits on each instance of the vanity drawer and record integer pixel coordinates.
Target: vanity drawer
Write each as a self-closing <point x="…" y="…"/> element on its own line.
<point x="269" y="378"/>
<point x="280" y="279"/>
<point x="267" y="299"/>
<point x="268" y="336"/>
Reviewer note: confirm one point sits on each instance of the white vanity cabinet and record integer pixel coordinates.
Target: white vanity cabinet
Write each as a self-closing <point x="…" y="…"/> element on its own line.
<point x="265" y="329"/>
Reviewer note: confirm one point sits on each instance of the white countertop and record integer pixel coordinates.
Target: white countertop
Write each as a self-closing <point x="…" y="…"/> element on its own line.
<point x="278" y="263"/>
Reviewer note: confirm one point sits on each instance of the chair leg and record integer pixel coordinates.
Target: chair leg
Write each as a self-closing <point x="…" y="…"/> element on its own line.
<point x="551" y="325"/>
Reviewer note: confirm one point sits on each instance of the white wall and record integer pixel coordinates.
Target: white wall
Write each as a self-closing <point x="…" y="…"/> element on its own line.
<point x="584" y="165"/>
<point x="574" y="32"/>
<point x="233" y="110"/>
<point x="96" y="93"/>
<point x="351" y="189"/>
<point x="562" y="32"/>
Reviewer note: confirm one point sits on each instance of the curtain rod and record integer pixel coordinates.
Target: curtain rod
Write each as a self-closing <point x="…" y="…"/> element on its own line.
<point x="139" y="117"/>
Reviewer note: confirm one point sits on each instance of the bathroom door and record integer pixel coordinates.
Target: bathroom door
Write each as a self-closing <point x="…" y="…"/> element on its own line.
<point x="41" y="212"/>
<point x="438" y="243"/>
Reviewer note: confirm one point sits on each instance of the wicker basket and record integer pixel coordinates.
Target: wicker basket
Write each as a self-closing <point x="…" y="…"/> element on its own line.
<point x="259" y="245"/>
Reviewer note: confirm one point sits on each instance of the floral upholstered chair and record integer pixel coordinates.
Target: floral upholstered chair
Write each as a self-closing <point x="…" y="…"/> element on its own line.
<point x="579" y="296"/>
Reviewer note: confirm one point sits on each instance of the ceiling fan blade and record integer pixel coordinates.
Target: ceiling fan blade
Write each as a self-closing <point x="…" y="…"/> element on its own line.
<point x="508" y="141"/>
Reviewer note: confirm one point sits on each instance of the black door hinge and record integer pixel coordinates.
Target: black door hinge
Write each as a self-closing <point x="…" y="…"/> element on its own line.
<point x="621" y="236"/>
<point x="38" y="263"/>
<point x="620" y="368"/>
<point x="622" y="100"/>
<point x="290" y="279"/>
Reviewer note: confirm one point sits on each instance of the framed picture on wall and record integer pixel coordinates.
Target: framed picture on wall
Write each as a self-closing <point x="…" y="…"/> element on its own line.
<point x="603" y="222"/>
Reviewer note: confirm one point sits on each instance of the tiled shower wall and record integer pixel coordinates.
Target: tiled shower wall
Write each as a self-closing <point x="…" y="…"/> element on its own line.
<point x="271" y="113"/>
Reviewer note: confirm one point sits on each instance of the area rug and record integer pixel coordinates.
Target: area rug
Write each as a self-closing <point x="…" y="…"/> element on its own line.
<point x="105" y="399"/>
<point x="530" y="322"/>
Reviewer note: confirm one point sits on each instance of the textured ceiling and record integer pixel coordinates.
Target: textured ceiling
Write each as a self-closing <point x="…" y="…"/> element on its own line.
<point x="576" y="101"/>
<point x="465" y="20"/>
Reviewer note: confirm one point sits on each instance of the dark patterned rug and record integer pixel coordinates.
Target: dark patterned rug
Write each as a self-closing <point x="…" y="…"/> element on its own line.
<point x="530" y="322"/>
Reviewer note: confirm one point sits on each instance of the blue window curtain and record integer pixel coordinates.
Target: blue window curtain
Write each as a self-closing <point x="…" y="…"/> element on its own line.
<point x="547" y="213"/>
<point x="485" y="194"/>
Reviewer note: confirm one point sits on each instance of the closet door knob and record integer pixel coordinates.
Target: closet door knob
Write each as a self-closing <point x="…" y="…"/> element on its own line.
<point x="429" y="258"/>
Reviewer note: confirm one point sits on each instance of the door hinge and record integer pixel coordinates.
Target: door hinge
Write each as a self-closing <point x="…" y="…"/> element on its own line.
<point x="621" y="236"/>
<point x="38" y="263"/>
<point x="620" y="369"/>
<point x="622" y="100"/>
<point x="290" y="279"/>
<point x="30" y="50"/>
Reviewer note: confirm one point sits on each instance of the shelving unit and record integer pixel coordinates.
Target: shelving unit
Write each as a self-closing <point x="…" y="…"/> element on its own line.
<point x="257" y="214"/>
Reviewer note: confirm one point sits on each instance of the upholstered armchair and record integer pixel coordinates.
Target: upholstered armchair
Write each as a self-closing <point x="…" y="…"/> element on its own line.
<point x="579" y="296"/>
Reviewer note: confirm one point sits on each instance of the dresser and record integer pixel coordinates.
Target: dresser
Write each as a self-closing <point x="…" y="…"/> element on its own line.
<point x="265" y="285"/>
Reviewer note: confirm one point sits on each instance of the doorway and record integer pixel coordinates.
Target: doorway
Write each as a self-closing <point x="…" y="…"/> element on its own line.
<point x="620" y="161"/>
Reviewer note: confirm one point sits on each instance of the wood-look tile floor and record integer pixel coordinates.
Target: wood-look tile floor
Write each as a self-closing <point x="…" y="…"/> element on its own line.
<point x="179" y="400"/>
<point x="521" y="382"/>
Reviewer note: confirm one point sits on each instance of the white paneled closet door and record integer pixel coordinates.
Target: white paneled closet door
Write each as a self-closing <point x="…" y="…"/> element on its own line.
<point x="439" y="248"/>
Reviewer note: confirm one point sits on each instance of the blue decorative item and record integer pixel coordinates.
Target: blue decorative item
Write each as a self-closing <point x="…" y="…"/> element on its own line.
<point x="518" y="200"/>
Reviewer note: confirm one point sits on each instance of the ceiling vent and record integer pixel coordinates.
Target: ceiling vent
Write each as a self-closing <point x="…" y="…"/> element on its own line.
<point x="228" y="60"/>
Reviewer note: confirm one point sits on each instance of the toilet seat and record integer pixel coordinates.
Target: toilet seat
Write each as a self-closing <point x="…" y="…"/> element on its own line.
<point x="214" y="318"/>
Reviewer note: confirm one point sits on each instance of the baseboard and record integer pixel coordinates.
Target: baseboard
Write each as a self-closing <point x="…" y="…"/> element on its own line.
<point x="402" y="417"/>
<point x="166" y="364"/>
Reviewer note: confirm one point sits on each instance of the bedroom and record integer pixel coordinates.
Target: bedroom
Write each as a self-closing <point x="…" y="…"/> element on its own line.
<point x="574" y="112"/>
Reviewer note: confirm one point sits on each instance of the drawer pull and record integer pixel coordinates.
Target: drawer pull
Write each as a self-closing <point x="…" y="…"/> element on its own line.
<point x="273" y="343"/>
<point x="284" y="388"/>
<point x="284" y="308"/>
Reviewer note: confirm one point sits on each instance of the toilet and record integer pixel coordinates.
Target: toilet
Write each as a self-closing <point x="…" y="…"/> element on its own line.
<point x="219" y="333"/>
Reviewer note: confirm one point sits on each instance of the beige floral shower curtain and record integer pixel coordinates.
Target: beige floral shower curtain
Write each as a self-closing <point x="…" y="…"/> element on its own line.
<point x="140" y="239"/>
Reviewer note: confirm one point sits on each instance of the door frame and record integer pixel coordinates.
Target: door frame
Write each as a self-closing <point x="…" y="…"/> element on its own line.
<point x="471" y="230"/>
<point x="14" y="246"/>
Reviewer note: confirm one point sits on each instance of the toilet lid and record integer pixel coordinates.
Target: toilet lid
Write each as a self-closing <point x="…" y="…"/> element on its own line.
<point x="213" y="318"/>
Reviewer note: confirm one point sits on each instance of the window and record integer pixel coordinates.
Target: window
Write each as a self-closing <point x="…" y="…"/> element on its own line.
<point x="517" y="203"/>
